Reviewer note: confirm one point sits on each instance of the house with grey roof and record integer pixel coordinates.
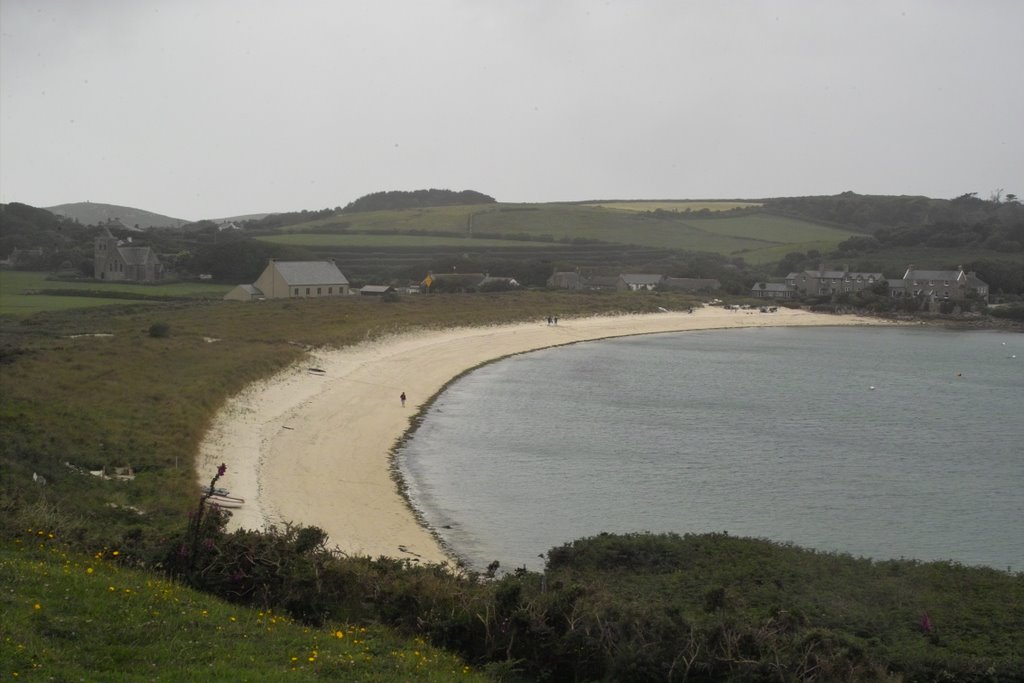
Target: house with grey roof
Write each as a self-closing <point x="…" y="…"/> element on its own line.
<point x="294" y="280"/>
<point x="638" y="282"/>
<point x="565" y="279"/>
<point x="121" y="261"/>
<point x="772" y="290"/>
<point x="824" y="282"/>
<point x="943" y="285"/>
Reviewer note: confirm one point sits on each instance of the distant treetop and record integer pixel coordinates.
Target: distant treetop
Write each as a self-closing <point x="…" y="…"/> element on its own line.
<point x="399" y="199"/>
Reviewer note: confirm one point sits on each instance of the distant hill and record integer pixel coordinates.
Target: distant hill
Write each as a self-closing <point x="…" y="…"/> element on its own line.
<point x="398" y="199"/>
<point x="91" y="213"/>
<point x="241" y="219"/>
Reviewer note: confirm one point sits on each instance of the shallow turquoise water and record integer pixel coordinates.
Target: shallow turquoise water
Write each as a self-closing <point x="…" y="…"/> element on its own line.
<point x="773" y="433"/>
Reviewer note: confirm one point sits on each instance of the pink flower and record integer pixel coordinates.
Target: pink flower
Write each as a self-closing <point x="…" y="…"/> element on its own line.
<point x="926" y="623"/>
<point x="221" y="470"/>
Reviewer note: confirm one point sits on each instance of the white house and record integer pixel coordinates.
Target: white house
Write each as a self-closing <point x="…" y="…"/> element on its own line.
<point x="293" y="280"/>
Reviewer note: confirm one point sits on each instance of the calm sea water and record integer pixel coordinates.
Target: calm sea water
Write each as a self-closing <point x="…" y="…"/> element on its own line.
<point x="770" y="433"/>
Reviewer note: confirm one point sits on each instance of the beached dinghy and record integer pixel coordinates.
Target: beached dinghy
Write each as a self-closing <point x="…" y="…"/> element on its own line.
<point x="225" y="501"/>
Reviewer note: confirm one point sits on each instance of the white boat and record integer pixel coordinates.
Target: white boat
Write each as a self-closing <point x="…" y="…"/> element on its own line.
<point x="225" y="501"/>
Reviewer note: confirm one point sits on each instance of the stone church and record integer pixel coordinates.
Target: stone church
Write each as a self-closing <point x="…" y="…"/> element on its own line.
<point x="120" y="260"/>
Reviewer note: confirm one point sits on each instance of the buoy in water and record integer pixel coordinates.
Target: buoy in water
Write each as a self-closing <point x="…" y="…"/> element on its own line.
<point x="872" y="388"/>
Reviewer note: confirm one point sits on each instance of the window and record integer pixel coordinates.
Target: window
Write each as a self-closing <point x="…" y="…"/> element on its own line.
<point x="318" y="291"/>
<point x="330" y="290"/>
<point x="296" y="291"/>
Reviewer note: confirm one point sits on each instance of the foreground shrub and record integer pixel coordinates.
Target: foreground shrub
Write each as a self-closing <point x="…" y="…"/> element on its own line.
<point x="159" y="330"/>
<point x="646" y="607"/>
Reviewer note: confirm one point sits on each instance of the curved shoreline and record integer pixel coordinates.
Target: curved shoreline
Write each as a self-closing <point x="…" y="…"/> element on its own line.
<point x="318" y="448"/>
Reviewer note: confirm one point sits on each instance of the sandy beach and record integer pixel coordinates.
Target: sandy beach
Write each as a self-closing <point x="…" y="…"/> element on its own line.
<point x="312" y="444"/>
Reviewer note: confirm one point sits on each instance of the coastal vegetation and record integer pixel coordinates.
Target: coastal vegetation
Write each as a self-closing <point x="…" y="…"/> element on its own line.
<point x="71" y="616"/>
<point x="108" y="389"/>
<point x="90" y="390"/>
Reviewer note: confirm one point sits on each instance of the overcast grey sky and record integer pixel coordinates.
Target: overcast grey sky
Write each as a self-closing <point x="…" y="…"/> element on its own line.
<point x="210" y="108"/>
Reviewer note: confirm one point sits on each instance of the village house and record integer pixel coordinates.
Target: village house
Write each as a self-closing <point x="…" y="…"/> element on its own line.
<point x="638" y="282"/>
<point x="823" y="282"/>
<point x="942" y="285"/>
<point x="566" y="279"/>
<point x="293" y="279"/>
<point x="630" y="282"/>
<point x="930" y="286"/>
<point x="772" y="290"/>
<point x="495" y="283"/>
<point x="120" y="260"/>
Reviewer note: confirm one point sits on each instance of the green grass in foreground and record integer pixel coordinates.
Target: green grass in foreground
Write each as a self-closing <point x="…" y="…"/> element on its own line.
<point x="76" y="617"/>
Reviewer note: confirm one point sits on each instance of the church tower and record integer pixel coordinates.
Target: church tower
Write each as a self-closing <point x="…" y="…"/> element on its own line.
<point x="104" y="249"/>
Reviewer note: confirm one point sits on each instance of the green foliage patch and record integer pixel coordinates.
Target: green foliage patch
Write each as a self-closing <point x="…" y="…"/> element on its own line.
<point x="27" y="292"/>
<point x="71" y="616"/>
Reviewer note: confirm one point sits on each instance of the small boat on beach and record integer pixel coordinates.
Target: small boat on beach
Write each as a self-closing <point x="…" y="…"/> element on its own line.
<point x="225" y="501"/>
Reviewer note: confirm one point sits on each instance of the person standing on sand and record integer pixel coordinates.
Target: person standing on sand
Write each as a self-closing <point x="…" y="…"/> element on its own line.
<point x="403" y="399"/>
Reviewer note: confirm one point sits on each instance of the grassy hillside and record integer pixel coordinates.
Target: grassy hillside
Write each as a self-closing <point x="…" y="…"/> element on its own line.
<point x="674" y="205"/>
<point x="389" y="241"/>
<point x="758" y="237"/>
<point x="91" y="213"/>
<point x="75" y="617"/>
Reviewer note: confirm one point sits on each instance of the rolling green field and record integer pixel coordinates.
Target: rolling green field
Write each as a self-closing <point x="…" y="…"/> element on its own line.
<point x="685" y="205"/>
<point x="23" y="293"/>
<point x="758" y="237"/>
<point x="386" y="241"/>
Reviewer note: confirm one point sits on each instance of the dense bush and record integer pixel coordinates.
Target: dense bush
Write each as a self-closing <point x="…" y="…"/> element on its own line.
<point x="1014" y="312"/>
<point x="642" y="607"/>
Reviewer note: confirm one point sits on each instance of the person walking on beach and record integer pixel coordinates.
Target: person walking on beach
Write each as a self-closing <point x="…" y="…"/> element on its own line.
<point x="403" y="399"/>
